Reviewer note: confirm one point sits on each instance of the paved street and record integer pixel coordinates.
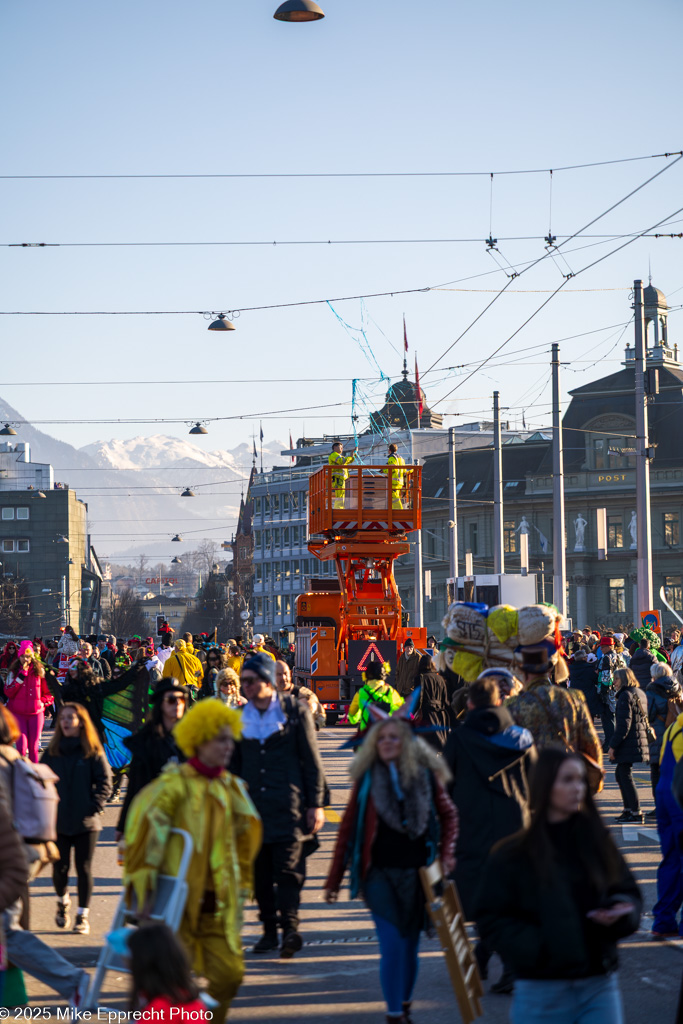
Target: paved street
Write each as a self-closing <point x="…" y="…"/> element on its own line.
<point x="335" y="977"/>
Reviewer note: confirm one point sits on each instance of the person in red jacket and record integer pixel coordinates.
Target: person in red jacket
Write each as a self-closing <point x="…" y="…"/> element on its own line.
<point x="398" y="819"/>
<point x="27" y="697"/>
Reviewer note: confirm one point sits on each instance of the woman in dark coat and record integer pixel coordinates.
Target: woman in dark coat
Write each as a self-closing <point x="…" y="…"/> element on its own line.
<point x="76" y="756"/>
<point x="433" y="707"/>
<point x="154" y="745"/>
<point x="630" y="743"/>
<point x="556" y="898"/>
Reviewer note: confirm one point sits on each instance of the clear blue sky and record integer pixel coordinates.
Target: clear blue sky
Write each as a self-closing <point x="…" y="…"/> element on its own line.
<point x="221" y="87"/>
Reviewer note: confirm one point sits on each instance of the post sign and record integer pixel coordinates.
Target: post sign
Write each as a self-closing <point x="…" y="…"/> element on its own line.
<point x="652" y="620"/>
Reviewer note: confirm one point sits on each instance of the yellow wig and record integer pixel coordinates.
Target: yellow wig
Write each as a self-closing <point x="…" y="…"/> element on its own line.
<point x="203" y="722"/>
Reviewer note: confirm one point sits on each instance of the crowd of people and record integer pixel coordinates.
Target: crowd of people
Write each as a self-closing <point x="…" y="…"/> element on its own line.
<point x="495" y="779"/>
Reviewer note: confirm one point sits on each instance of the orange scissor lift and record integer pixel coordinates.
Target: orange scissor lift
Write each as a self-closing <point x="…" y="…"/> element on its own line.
<point x="363" y="528"/>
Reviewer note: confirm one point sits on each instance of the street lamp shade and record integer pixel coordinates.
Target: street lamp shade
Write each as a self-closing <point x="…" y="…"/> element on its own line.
<point x="62" y="539"/>
<point x="221" y="324"/>
<point x="187" y="493"/>
<point x="176" y="561"/>
<point x="198" y="429"/>
<point x="8" y="431"/>
<point x="177" y="539"/>
<point x="298" y="10"/>
<point x="40" y="494"/>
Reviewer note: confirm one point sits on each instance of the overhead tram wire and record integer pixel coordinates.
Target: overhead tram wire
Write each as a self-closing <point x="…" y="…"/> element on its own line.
<point x="444" y="286"/>
<point x="544" y="304"/>
<point x="341" y="174"/>
<point x="546" y="255"/>
<point x="306" y="241"/>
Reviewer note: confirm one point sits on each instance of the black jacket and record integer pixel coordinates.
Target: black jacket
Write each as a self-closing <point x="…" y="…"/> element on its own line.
<point x="284" y="774"/>
<point x="84" y="787"/>
<point x="630" y="741"/>
<point x="641" y="663"/>
<point x="92" y="697"/>
<point x="434" y="708"/>
<point x="151" y="751"/>
<point x="100" y="667"/>
<point x="406" y="673"/>
<point x="489" y="788"/>
<point x="583" y="675"/>
<point x="537" y="920"/>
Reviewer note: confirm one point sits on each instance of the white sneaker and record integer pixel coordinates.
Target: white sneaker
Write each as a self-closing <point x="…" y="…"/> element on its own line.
<point x="79" y="996"/>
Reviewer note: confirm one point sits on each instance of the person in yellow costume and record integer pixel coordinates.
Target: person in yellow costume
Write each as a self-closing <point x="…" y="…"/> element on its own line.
<point x="340" y="473"/>
<point x="397" y="476"/>
<point x="184" y="666"/>
<point x="205" y="800"/>
<point x="234" y="659"/>
<point x="260" y="647"/>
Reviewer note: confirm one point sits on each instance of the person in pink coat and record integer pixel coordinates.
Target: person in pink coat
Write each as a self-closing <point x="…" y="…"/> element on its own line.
<point x="27" y="697"/>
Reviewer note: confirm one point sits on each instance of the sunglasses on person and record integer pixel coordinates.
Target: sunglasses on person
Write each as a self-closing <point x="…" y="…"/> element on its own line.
<point x="174" y="700"/>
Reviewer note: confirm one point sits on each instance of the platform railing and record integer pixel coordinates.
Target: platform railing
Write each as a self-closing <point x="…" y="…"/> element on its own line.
<point x="365" y="498"/>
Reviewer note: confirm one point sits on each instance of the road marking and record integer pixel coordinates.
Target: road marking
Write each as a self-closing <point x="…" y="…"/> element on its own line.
<point x="630" y="833"/>
<point x="332" y="816"/>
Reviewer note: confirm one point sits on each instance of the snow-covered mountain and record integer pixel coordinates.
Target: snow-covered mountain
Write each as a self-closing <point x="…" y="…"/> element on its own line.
<point x="160" y="452"/>
<point x="133" y="488"/>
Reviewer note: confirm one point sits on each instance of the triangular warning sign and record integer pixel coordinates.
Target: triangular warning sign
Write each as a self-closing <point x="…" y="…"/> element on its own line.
<point x="362" y="664"/>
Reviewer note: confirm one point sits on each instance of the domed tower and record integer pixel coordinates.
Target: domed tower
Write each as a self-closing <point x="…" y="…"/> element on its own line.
<point x="402" y="409"/>
<point x="655" y="312"/>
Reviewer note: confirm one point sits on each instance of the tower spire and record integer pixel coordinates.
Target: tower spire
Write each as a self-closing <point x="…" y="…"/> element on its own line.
<point x="405" y="349"/>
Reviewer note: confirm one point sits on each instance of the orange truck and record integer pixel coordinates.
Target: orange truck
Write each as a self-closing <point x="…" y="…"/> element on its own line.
<point x="343" y="625"/>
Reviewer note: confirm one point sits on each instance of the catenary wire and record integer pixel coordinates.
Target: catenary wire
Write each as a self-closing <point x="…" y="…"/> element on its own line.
<point x="345" y="174"/>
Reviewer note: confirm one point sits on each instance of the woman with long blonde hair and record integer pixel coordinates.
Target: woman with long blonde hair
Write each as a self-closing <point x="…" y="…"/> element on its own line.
<point x="76" y="756"/>
<point x="399" y="818"/>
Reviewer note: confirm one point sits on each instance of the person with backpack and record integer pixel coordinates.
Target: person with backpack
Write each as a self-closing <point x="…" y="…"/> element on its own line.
<point x="279" y="760"/>
<point x="76" y="756"/>
<point x="608" y="662"/>
<point x="664" y="705"/>
<point x="34" y="817"/>
<point x="28" y="696"/>
<point x="375" y="690"/>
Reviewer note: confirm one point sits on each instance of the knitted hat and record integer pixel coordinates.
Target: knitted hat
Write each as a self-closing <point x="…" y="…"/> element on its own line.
<point x="25" y="646"/>
<point x="261" y="665"/>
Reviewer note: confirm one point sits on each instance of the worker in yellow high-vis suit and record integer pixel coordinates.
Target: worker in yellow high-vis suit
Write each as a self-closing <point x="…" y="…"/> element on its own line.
<point x="395" y="462"/>
<point x="340" y="473"/>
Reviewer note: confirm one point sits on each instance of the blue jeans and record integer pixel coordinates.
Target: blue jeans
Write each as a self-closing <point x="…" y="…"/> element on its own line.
<point x="398" y="961"/>
<point x="584" y="1001"/>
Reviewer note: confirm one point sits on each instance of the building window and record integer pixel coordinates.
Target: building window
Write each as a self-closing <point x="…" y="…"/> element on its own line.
<point x="276" y="536"/>
<point x="275" y="503"/>
<point x="8" y="513"/>
<point x="276" y="571"/>
<point x="285" y="537"/>
<point x="288" y="606"/>
<point x="259" y="606"/>
<point x="295" y="535"/>
<point x="258" y="572"/>
<point x="285" y="503"/>
<point x="278" y="605"/>
<point x="599" y="453"/>
<point x="266" y="538"/>
<point x="674" y="592"/>
<point x="266" y="505"/>
<point x="296" y="568"/>
<point x="257" y="538"/>
<point x="243" y="553"/>
<point x="474" y="531"/>
<point x="671" y="529"/>
<point x="617" y="597"/>
<point x="615" y="532"/>
<point x="22" y="513"/>
<point x="8" y="545"/>
<point x="257" y="506"/>
<point x="285" y="570"/>
<point x="294" y="498"/>
<point x="23" y="545"/>
<point x="509" y="538"/>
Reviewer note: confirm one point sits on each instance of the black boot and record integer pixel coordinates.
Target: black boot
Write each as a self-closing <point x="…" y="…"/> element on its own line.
<point x="267" y="942"/>
<point x="406" y="1013"/>
<point x="291" y="944"/>
<point x="505" y="984"/>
